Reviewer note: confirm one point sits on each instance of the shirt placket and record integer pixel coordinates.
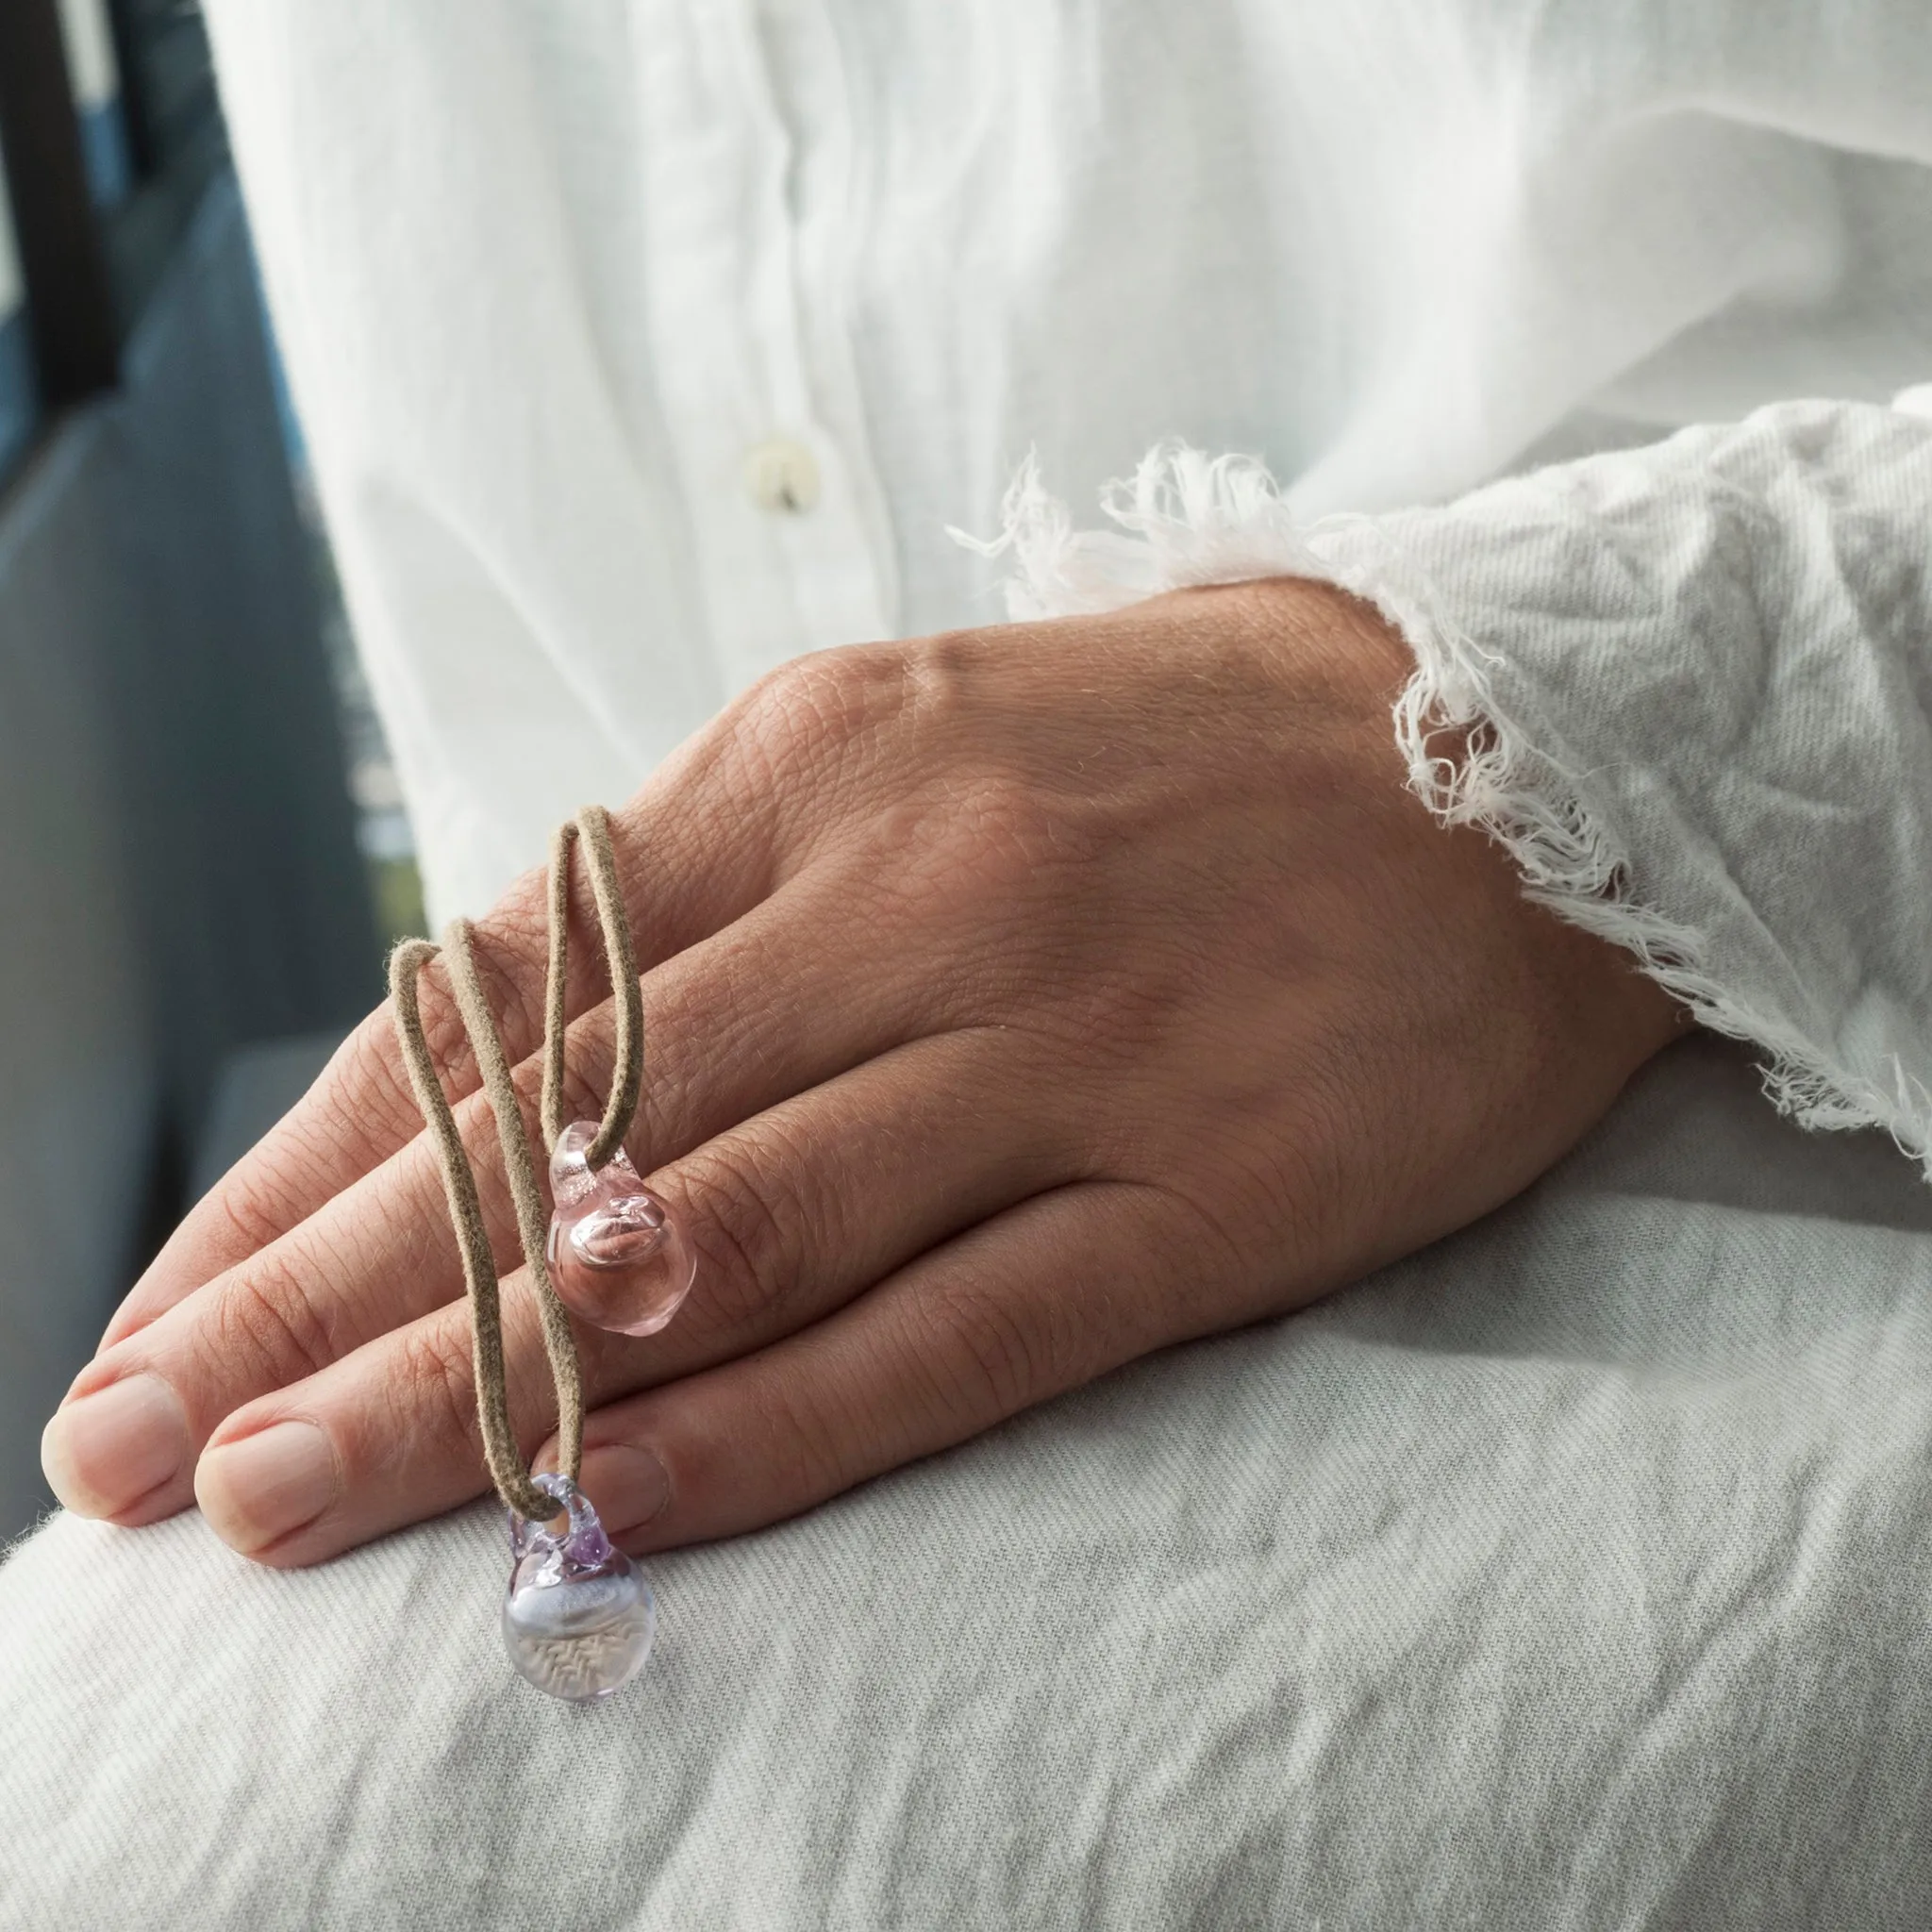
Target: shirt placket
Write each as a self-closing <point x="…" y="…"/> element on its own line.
<point x="767" y="437"/>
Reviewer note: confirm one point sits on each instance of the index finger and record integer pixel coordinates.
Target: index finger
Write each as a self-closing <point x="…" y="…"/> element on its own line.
<point x="692" y="850"/>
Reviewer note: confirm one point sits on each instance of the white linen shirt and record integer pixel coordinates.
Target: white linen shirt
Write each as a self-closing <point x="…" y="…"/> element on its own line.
<point x="642" y="344"/>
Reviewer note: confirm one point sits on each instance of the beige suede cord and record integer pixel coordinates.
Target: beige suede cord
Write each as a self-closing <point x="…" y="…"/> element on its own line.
<point x="508" y="1469"/>
<point x="626" y="1079"/>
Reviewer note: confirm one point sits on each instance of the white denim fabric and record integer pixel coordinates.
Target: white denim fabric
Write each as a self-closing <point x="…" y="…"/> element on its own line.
<point x="1569" y="1576"/>
<point x="1572" y="1574"/>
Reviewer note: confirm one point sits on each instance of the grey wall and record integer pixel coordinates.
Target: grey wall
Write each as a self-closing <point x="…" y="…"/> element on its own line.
<point x="178" y="872"/>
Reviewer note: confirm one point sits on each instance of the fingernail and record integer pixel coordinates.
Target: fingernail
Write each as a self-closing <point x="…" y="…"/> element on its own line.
<point x="268" y="1485"/>
<point x="111" y="1448"/>
<point x="626" y="1485"/>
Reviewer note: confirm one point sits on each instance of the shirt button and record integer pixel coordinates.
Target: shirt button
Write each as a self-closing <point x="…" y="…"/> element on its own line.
<point x="782" y="476"/>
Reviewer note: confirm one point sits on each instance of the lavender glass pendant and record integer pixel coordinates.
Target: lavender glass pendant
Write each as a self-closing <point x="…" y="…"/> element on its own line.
<point x="616" y="1252"/>
<point x="578" y="1617"/>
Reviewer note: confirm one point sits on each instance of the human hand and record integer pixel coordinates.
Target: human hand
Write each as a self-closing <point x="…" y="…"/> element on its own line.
<point x="1017" y="1002"/>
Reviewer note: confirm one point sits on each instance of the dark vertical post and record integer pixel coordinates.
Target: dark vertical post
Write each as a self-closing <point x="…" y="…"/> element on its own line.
<point x="69" y="309"/>
<point x="144" y="150"/>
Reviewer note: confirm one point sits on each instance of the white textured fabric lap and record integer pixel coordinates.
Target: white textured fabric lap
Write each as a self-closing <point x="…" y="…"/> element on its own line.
<point x="1572" y="1575"/>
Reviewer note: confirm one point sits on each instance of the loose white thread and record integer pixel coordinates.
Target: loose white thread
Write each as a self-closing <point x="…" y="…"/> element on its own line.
<point x="1184" y="519"/>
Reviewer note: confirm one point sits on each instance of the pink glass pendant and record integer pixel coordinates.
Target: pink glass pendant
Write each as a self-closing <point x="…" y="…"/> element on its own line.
<point x="578" y="1617"/>
<point x="616" y="1252"/>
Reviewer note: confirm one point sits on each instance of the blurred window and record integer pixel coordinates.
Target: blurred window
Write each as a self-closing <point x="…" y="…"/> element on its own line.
<point x="55" y="271"/>
<point x="162" y="53"/>
<point x="95" y="74"/>
<point x="19" y="388"/>
<point x="110" y="131"/>
<point x="170" y="129"/>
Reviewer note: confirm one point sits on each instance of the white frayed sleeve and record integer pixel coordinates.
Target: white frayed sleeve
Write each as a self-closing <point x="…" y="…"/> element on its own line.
<point x="1695" y="681"/>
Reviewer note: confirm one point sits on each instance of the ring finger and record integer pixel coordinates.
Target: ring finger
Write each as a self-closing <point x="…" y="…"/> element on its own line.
<point x="794" y="993"/>
<point x="791" y="1213"/>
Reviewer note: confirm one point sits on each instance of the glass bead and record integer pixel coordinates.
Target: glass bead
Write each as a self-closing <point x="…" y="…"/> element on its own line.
<point x="617" y="1255"/>
<point x="578" y="1617"/>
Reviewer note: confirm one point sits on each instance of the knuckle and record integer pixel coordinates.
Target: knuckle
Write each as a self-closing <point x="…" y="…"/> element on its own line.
<point x="350" y="1107"/>
<point x="264" y="1318"/>
<point x="511" y="950"/>
<point x="807" y="1446"/>
<point x="363" y="1098"/>
<point x="986" y="842"/>
<point x="997" y="1358"/>
<point x="250" y="1208"/>
<point x="588" y="1072"/>
<point x="435" y="1388"/>
<point x="1116" y="1006"/>
<point x="947" y="672"/>
<point x="589" y="1063"/>
<point x="1010" y="821"/>
<point x="744" y="1224"/>
<point x="825" y="702"/>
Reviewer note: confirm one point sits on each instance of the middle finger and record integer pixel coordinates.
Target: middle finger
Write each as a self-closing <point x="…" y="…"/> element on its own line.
<point x="796" y="991"/>
<point x="792" y="1213"/>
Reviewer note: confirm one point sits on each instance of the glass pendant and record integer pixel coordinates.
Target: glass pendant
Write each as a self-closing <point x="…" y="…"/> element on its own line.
<point x="578" y="1617"/>
<point x="616" y="1252"/>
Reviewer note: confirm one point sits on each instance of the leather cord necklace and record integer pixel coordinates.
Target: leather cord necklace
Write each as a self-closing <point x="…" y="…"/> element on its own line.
<point x="578" y="1618"/>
